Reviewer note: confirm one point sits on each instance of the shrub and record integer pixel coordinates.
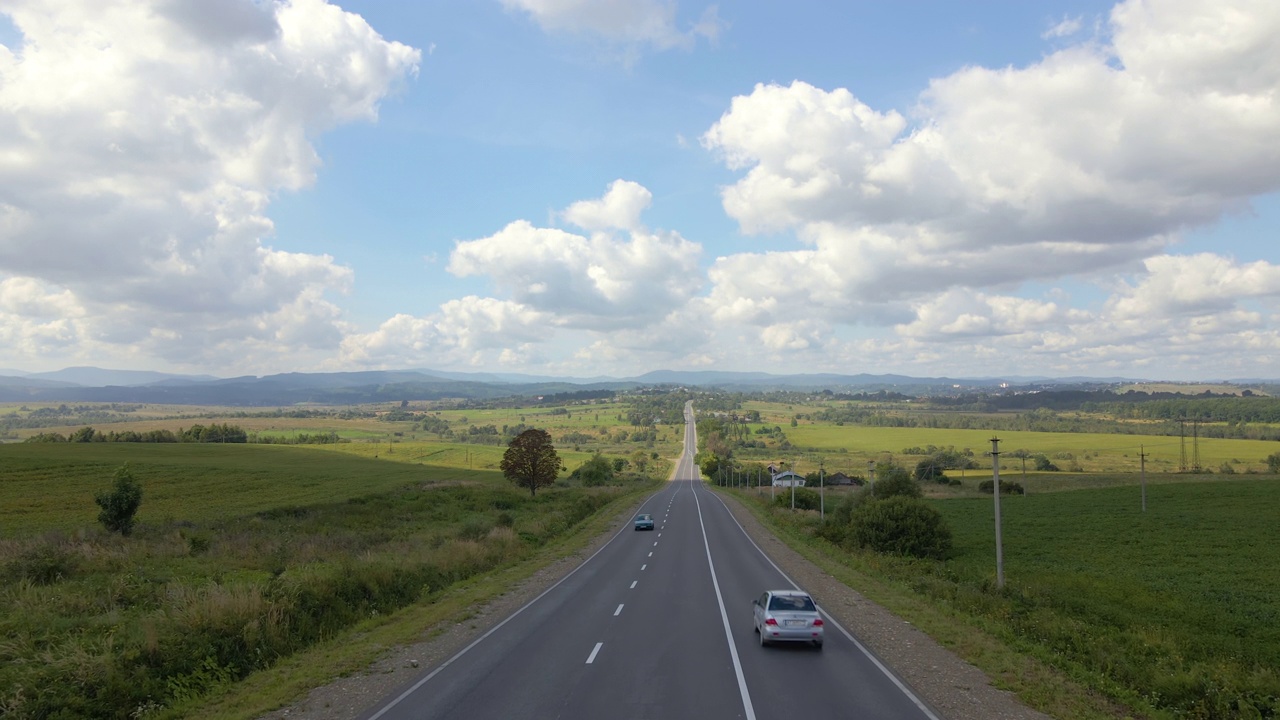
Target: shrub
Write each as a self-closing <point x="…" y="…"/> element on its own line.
<point x="1043" y="464"/>
<point x="930" y="470"/>
<point x="892" y="480"/>
<point x="595" y="472"/>
<point x="1006" y="488"/>
<point x="806" y="499"/>
<point x="901" y="525"/>
<point x="839" y="521"/>
<point x="43" y="564"/>
<point x="121" y="504"/>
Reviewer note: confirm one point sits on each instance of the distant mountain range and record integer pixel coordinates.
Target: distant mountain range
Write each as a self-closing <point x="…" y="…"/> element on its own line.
<point x="90" y="384"/>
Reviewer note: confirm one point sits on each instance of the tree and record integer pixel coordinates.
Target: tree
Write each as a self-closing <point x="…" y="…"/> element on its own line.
<point x="1043" y="464"/>
<point x="1273" y="462"/>
<point x="121" y="504"/>
<point x="930" y="470"/>
<point x="594" y="472"/>
<point x="531" y="460"/>
<point x="84" y="434"/>
<point x="894" y="480"/>
<point x="640" y="460"/>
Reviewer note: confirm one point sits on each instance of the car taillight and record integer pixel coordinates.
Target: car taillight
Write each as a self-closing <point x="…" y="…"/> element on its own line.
<point x="817" y="623"/>
<point x="770" y="621"/>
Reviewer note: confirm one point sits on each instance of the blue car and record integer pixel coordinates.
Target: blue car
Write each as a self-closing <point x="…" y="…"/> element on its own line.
<point x="644" y="522"/>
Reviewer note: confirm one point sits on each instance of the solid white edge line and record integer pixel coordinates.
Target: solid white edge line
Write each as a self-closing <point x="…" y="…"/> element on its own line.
<point x="592" y="657"/>
<point x="747" y="708"/>
<point x="618" y="612"/>
<point x="924" y="708"/>
<point x="414" y="688"/>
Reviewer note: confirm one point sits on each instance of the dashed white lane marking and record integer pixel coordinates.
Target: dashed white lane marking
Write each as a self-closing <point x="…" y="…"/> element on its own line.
<point x="618" y="612"/>
<point x="655" y="543"/>
<point x="650" y="553"/>
<point x="642" y="567"/>
<point x="748" y="710"/>
<point x="633" y="584"/>
<point x="592" y="657"/>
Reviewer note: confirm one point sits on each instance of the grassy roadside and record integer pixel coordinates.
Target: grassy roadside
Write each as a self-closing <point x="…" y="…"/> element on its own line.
<point x="1010" y="664"/>
<point x="364" y="644"/>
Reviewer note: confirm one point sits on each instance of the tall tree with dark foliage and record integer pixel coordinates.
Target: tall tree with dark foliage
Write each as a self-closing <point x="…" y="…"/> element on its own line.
<point x="531" y="460"/>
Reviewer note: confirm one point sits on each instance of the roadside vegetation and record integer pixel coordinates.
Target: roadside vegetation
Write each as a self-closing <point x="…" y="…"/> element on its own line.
<point x="215" y="561"/>
<point x="1171" y="613"/>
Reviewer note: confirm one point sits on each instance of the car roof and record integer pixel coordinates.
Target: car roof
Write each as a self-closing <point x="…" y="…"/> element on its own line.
<point x="789" y="593"/>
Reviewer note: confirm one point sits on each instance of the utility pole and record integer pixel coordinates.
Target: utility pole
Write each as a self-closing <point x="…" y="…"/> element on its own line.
<point x="822" y="494"/>
<point x="995" y="477"/>
<point x="871" y="472"/>
<point x="1182" y="443"/>
<point x="1142" y="463"/>
<point x="1195" y="444"/>
<point x="792" y="483"/>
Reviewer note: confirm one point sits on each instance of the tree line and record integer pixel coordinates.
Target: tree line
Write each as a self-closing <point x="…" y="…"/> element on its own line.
<point x="213" y="433"/>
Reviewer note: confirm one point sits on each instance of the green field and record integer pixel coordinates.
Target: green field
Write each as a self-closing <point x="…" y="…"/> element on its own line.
<point x="51" y="487"/>
<point x="243" y="556"/>
<point x="848" y="448"/>
<point x="1174" y="613"/>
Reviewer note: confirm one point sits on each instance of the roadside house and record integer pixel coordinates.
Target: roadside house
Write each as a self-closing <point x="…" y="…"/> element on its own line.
<point x="788" y="479"/>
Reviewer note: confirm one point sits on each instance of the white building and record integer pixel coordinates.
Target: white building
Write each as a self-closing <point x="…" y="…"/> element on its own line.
<point x="788" y="479"/>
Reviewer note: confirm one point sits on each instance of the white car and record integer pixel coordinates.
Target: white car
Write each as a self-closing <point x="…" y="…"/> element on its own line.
<point x="787" y="616"/>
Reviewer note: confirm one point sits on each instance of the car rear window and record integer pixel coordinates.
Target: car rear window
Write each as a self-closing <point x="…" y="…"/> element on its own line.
<point x="794" y="603"/>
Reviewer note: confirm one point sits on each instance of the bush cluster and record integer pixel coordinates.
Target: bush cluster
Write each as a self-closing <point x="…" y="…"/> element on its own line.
<point x="1006" y="487"/>
<point x="889" y="517"/>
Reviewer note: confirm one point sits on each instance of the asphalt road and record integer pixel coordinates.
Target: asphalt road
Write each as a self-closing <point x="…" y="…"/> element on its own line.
<point x="657" y="625"/>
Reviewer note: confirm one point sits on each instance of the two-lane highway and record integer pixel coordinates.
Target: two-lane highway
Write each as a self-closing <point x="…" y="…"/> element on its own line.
<point x="657" y="625"/>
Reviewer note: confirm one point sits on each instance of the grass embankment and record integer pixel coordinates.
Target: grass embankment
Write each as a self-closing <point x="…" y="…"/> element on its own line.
<point x="1174" y="613"/>
<point x="244" y="555"/>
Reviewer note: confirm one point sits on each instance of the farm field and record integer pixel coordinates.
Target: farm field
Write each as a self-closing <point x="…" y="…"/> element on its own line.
<point x="847" y="448"/>
<point x="51" y="487"/>
<point x="243" y="555"/>
<point x="1175" y="612"/>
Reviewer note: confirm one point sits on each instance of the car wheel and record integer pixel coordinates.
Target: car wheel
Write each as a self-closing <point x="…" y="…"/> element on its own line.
<point x="764" y="641"/>
<point x="817" y="645"/>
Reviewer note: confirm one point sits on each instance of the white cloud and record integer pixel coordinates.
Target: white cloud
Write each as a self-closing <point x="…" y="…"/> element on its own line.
<point x="619" y="209"/>
<point x="625" y="22"/>
<point x="605" y="297"/>
<point x="1064" y="28"/>
<point x="600" y="281"/>
<point x="1197" y="285"/>
<point x="140" y="143"/>
<point x="1084" y="165"/>
<point x="464" y="331"/>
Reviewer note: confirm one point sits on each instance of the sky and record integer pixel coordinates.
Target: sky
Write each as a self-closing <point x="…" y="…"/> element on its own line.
<point x="594" y="188"/>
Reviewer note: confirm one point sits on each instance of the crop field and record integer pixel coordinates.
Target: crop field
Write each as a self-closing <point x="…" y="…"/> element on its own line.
<point x="847" y="448"/>
<point x="51" y="487"/>
<point x="1174" y="612"/>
